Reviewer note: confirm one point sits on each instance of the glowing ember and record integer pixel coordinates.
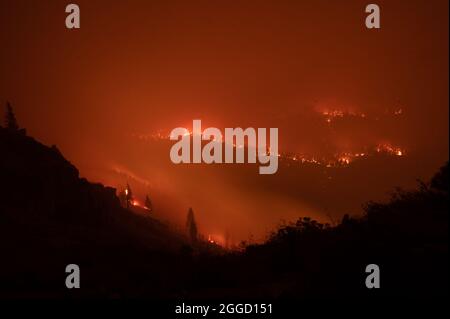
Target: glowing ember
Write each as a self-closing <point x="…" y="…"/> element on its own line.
<point x="333" y="114"/>
<point x="344" y="160"/>
<point x="387" y="148"/>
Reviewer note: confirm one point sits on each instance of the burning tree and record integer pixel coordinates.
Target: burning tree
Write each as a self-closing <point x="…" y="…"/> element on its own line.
<point x="126" y="197"/>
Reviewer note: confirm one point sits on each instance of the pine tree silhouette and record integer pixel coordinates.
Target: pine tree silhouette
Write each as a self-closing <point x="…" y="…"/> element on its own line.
<point x="10" y="118"/>
<point x="191" y="226"/>
<point x="123" y="198"/>
<point x="148" y="203"/>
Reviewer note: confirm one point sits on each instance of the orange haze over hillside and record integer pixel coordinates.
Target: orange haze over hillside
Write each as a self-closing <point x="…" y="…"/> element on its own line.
<point x="309" y="68"/>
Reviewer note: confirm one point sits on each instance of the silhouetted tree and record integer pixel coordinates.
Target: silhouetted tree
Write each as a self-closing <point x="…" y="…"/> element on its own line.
<point x="123" y="198"/>
<point x="148" y="203"/>
<point x="191" y="225"/>
<point x="128" y="196"/>
<point x="440" y="181"/>
<point x="227" y="239"/>
<point x="10" y="118"/>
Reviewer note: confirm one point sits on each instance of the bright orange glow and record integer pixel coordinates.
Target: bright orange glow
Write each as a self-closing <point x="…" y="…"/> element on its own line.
<point x="387" y="148"/>
<point x="344" y="160"/>
<point x="210" y="240"/>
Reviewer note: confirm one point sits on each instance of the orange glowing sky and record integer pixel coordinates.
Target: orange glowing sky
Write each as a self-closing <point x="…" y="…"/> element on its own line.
<point x="140" y="67"/>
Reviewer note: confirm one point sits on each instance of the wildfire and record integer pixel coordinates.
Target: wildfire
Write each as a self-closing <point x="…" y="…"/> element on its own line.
<point x="216" y="239"/>
<point x="136" y="203"/>
<point x="333" y="114"/>
<point x="338" y="160"/>
<point x="344" y="160"/>
<point x="388" y="148"/>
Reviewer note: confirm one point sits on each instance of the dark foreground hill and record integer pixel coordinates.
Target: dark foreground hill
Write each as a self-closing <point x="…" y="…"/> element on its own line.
<point x="49" y="218"/>
<point x="406" y="237"/>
